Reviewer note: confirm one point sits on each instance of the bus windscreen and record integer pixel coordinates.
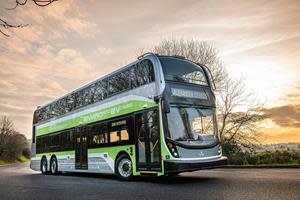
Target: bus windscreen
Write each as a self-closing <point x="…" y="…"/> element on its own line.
<point x="179" y="70"/>
<point x="192" y="125"/>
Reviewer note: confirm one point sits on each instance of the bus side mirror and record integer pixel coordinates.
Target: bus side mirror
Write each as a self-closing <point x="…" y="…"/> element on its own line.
<point x="166" y="106"/>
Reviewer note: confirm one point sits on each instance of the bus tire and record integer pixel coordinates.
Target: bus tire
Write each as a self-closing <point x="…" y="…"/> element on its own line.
<point x="53" y="166"/>
<point x="123" y="168"/>
<point x="44" y="166"/>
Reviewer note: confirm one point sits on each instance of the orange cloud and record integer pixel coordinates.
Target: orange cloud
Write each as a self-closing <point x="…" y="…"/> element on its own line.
<point x="285" y="116"/>
<point x="280" y="135"/>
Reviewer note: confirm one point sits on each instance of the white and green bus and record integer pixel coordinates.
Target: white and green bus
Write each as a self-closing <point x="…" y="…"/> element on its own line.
<point x="155" y="116"/>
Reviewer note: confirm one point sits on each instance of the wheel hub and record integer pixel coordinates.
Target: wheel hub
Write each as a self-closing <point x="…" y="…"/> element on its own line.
<point x="53" y="167"/>
<point x="125" y="168"/>
<point x="44" y="166"/>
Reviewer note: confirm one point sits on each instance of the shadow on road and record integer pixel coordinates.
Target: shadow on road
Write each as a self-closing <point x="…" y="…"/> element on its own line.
<point x="175" y="180"/>
<point x="179" y="179"/>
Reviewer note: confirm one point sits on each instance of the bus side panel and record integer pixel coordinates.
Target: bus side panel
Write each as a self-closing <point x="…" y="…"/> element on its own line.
<point x="102" y="160"/>
<point x="35" y="164"/>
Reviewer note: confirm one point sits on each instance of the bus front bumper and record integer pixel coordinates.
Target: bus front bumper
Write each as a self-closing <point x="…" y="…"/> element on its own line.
<point x="172" y="166"/>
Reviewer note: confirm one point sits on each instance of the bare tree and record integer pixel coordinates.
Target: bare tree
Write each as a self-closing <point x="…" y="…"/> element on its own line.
<point x="6" y="130"/>
<point x="4" y="24"/>
<point x="197" y="51"/>
<point x="238" y="128"/>
<point x="239" y="115"/>
<point x="12" y="143"/>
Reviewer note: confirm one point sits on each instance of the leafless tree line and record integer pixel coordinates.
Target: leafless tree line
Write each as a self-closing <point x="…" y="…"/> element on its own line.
<point x="12" y="143"/>
<point x="5" y="24"/>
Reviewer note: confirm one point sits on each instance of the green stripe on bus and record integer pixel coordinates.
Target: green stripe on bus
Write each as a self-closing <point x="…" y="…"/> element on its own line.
<point x="110" y="112"/>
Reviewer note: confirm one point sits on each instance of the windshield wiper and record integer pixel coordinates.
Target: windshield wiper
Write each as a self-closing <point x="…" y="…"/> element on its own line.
<point x="179" y="78"/>
<point x="172" y="77"/>
<point x="185" y="119"/>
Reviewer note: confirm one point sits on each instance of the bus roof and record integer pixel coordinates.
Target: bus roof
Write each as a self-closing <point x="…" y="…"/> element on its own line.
<point x="98" y="79"/>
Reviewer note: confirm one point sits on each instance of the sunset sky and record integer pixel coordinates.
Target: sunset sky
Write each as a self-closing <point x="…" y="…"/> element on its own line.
<point x="72" y="42"/>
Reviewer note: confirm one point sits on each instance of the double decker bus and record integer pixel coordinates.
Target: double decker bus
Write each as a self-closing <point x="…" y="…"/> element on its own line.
<point x="155" y="116"/>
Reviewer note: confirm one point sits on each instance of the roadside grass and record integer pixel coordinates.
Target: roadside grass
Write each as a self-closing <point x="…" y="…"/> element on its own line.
<point x="288" y="158"/>
<point x="273" y="165"/>
<point x="22" y="159"/>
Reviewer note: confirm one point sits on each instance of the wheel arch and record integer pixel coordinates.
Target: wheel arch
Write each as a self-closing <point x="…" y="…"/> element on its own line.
<point x="122" y="153"/>
<point x="53" y="156"/>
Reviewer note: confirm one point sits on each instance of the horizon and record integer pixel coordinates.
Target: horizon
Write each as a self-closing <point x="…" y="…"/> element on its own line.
<point x="69" y="44"/>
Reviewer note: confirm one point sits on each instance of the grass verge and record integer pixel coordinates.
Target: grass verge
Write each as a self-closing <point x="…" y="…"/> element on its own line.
<point x="296" y="165"/>
<point x="22" y="159"/>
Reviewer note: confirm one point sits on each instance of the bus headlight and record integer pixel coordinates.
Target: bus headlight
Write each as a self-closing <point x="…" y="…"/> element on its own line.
<point x="173" y="149"/>
<point x="220" y="150"/>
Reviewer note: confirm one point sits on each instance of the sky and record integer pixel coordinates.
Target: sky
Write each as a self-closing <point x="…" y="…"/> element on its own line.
<point x="72" y="42"/>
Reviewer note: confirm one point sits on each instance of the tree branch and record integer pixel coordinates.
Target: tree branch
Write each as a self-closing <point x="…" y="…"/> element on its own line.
<point x="43" y="3"/>
<point x="17" y="4"/>
<point x="40" y="3"/>
<point x="4" y="33"/>
<point x="4" y="24"/>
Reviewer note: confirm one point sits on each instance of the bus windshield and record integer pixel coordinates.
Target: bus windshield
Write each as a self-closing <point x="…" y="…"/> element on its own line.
<point x="175" y="69"/>
<point x="192" y="125"/>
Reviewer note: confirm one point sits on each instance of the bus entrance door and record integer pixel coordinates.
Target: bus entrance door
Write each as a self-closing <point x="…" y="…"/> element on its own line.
<point x="81" y="147"/>
<point x="148" y="141"/>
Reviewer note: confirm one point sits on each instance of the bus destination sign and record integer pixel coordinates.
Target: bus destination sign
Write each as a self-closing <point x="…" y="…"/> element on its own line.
<point x="189" y="93"/>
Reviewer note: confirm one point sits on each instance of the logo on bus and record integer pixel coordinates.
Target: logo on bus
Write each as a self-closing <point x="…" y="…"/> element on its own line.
<point x="201" y="154"/>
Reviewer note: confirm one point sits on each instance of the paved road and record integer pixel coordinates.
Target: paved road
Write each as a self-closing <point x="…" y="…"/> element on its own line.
<point x="19" y="182"/>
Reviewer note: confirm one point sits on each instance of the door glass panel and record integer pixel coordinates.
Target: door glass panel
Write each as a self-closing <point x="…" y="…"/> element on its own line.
<point x="77" y="148"/>
<point x="141" y="145"/>
<point x="153" y="136"/>
<point x="84" y="145"/>
<point x="148" y="144"/>
<point x="81" y="148"/>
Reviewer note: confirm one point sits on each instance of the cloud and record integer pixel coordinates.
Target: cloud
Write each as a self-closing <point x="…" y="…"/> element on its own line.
<point x="39" y="62"/>
<point x="104" y="51"/>
<point x="28" y="82"/>
<point x="70" y="17"/>
<point x="293" y="96"/>
<point x="275" y="135"/>
<point x="285" y="116"/>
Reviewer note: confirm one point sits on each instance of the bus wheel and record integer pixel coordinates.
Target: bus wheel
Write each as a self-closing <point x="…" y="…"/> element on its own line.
<point x="124" y="168"/>
<point x="53" y="165"/>
<point x="44" y="166"/>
